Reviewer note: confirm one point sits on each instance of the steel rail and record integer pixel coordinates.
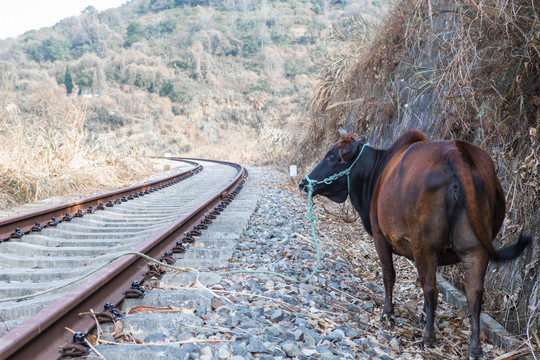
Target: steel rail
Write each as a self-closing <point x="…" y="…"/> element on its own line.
<point x="25" y="221"/>
<point x="41" y="336"/>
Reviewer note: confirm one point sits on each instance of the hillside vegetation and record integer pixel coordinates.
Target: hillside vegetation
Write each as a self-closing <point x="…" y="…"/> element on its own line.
<point x="465" y="69"/>
<point x="225" y="80"/>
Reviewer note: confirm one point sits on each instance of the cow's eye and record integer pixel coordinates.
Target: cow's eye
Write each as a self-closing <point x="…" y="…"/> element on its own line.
<point x="331" y="157"/>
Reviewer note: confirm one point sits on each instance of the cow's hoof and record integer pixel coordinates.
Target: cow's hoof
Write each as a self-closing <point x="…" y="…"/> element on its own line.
<point x="429" y="343"/>
<point x="475" y="352"/>
<point x="388" y="319"/>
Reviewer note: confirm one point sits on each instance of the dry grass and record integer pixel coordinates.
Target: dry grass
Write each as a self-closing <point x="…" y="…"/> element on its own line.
<point x="465" y="69"/>
<point x="47" y="153"/>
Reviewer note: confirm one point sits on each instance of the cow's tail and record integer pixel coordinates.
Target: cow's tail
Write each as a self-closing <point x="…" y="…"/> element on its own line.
<point x="481" y="229"/>
<point x="512" y="251"/>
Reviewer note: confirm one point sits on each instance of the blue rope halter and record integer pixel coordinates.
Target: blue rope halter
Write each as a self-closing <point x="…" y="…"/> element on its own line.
<point x="311" y="183"/>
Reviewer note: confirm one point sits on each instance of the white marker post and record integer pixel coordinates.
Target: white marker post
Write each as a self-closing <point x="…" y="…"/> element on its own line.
<point x="293" y="171"/>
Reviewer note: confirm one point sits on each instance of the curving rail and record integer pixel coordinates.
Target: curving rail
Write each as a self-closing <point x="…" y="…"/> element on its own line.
<point x="44" y="334"/>
<point x="16" y="226"/>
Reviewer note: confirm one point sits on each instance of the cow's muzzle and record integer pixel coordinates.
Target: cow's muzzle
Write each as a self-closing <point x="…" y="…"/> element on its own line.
<point x="303" y="185"/>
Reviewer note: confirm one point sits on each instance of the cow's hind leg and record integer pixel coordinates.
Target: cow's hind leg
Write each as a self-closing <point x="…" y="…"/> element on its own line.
<point x="475" y="270"/>
<point x="475" y="260"/>
<point x="475" y="264"/>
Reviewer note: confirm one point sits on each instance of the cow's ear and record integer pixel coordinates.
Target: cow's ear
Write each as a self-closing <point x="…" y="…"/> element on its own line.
<point x="361" y="139"/>
<point x="346" y="154"/>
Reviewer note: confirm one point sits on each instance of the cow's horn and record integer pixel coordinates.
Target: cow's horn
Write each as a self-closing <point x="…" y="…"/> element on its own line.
<point x="343" y="133"/>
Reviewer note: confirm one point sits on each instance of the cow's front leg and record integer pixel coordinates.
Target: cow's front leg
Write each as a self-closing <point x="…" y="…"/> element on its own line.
<point x="384" y="250"/>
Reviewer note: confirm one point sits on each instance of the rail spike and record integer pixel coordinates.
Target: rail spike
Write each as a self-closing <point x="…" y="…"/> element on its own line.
<point x="154" y="272"/>
<point x="109" y="314"/>
<point x="167" y="258"/>
<point x="179" y="248"/>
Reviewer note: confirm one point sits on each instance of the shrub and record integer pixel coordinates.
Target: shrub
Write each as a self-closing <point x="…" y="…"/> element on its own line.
<point x="134" y="33"/>
<point x="262" y="85"/>
<point x="183" y="63"/>
<point x="50" y="49"/>
<point x="295" y="66"/>
<point x="280" y="37"/>
<point x="68" y="81"/>
<point x="161" y="5"/>
<point x="162" y="29"/>
<point x="168" y="89"/>
<point x="251" y="46"/>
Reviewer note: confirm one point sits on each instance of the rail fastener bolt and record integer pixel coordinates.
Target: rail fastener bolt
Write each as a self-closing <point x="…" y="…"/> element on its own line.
<point x="17" y="234"/>
<point x="179" y="248"/>
<point x="109" y="314"/>
<point x="167" y="258"/>
<point x="154" y="272"/>
<point x="78" y="346"/>
<point x="37" y="227"/>
<point x="136" y="291"/>
<point x="188" y="239"/>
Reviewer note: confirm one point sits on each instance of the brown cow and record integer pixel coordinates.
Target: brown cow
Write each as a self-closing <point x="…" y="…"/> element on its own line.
<point x="434" y="202"/>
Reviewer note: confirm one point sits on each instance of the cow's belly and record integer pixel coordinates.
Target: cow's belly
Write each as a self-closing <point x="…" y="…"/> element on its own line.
<point x="401" y="245"/>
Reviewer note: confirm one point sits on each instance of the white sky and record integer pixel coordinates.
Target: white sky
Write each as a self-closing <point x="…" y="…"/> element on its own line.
<point x="19" y="16"/>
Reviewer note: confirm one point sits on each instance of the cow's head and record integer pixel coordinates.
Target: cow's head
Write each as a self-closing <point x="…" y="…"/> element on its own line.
<point x="339" y="158"/>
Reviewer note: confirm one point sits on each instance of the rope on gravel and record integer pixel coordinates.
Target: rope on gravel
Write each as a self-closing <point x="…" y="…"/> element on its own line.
<point x="144" y="256"/>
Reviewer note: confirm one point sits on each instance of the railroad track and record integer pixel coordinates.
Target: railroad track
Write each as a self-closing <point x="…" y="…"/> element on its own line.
<point x="90" y="235"/>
